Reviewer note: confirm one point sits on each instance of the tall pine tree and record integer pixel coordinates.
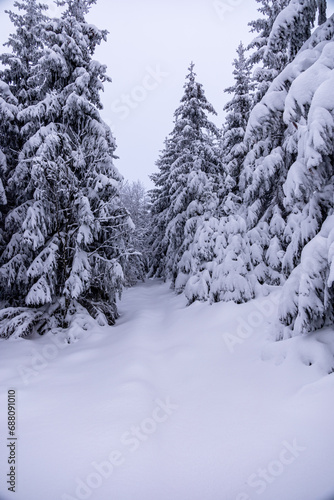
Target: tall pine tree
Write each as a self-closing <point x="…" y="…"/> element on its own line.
<point x="284" y="27"/>
<point x="191" y="169"/>
<point x="272" y="139"/>
<point x="237" y="109"/>
<point x="308" y="261"/>
<point x="26" y="47"/>
<point x="66" y="235"/>
<point x="9" y="134"/>
<point x="160" y="202"/>
<point x="220" y="253"/>
<point x="266" y="65"/>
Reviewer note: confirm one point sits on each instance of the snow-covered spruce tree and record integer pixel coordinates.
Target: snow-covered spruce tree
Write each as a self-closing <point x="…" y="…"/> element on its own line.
<point x="19" y="88"/>
<point x="136" y="201"/>
<point x="26" y="47"/>
<point x="291" y="29"/>
<point x="237" y="109"/>
<point x="192" y="181"/>
<point x="199" y="261"/>
<point x="308" y="293"/>
<point x="232" y="277"/>
<point x="219" y="252"/>
<point x="8" y="146"/>
<point x="67" y="233"/>
<point x="241" y="256"/>
<point x="160" y="203"/>
<point x="8" y="139"/>
<point x="223" y="250"/>
<point x="265" y="68"/>
<point x="285" y="27"/>
<point x="273" y="145"/>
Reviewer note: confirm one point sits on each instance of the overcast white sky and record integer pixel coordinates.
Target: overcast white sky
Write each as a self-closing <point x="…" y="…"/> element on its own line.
<point x="149" y="48"/>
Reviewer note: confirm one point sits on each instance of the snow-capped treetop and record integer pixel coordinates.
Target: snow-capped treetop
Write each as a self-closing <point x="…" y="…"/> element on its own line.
<point x="26" y="46"/>
<point x="194" y="108"/>
<point x="238" y="109"/>
<point x="68" y="63"/>
<point x="264" y="69"/>
<point x="188" y="181"/>
<point x="66" y="233"/>
<point x="286" y="27"/>
<point x="76" y="8"/>
<point x="263" y="26"/>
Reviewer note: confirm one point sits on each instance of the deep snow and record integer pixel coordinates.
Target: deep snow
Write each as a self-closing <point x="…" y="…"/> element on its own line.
<point x="181" y="403"/>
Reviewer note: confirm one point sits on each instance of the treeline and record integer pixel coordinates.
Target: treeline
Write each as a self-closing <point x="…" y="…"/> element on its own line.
<point x="234" y="210"/>
<point x="251" y="206"/>
<point x="66" y="239"/>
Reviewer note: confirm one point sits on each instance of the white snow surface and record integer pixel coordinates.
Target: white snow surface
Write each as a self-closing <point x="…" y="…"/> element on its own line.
<point x="246" y="417"/>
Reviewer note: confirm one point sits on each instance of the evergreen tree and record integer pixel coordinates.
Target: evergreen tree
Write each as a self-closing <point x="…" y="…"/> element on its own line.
<point x="18" y="88"/>
<point x="273" y="144"/>
<point x="218" y="258"/>
<point x="273" y="140"/>
<point x="9" y="131"/>
<point x="266" y="69"/>
<point x="160" y="203"/>
<point x="192" y="179"/>
<point x="291" y="29"/>
<point x="285" y="27"/>
<point x="67" y="233"/>
<point x="287" y="175"/>
<point x="309" y="198"/>
<point x="8" y="141"/>
<point x="266" y="130"/>
<point x="136" y="201"/>
<point x="232" y="277"/>
<point x="308" y="294"/>
<point x="26" y="47"/>
<point x="199" y="261"/>
<point x="238" y="109"/>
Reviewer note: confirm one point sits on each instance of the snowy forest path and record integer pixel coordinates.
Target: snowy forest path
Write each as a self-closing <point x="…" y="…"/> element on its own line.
<point x="230" y="401"/>
<point x="192" y="417"/>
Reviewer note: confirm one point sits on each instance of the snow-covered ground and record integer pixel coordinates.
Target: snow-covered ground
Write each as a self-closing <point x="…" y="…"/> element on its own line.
<point x="173" y="403"/>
